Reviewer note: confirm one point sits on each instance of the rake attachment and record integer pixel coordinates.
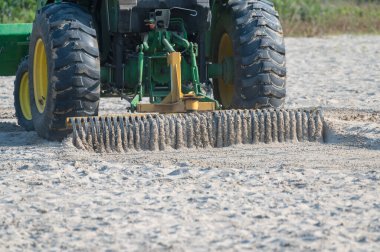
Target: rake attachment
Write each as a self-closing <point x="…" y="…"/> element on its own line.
<point x="216" y="129"/>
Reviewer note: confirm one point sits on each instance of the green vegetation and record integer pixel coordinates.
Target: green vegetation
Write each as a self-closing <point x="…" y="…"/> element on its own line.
<point x="19" y="11"/>
<point x="299" y="17"/>
<point x="318" y="17"/>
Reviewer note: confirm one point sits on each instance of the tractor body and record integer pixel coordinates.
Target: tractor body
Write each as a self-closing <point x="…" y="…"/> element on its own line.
<point x="133" y="54"/>
<point x="136" y="39"/>
<point x="182" y="55"/>
<point x="14" y="45"/>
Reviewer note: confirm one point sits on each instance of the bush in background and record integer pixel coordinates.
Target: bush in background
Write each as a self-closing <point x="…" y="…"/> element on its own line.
<point x="318" y="17"/>
<point x="17" y="11"/>
<point x="299" y="17"/>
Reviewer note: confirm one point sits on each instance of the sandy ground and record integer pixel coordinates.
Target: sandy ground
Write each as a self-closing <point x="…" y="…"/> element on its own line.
<point x="268" y="197"/>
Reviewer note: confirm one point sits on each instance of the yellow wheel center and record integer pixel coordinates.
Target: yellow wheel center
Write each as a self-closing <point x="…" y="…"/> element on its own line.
<point x="40" y="76"/>
<point x="24" y="97"/>
<point x="226" y="90"/>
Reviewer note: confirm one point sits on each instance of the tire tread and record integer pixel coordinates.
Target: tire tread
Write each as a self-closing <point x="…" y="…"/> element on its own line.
<point x="75" y="71"/>
<point x="261" y="54"/>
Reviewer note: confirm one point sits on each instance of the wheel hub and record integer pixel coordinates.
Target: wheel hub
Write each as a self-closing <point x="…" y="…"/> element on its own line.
<point x="226" y="88"/>
<point x="40" y="76"/>
<point x="24" y="97"/>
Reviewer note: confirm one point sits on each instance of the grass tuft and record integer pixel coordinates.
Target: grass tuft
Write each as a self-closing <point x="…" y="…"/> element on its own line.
<point x="326" y="17"/>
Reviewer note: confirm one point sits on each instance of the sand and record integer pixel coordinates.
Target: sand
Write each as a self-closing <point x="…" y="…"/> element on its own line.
<point x="282" y="196"/>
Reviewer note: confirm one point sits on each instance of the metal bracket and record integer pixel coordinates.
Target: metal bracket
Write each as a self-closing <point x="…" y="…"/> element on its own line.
<point x="176" y="101"/>
<point x="161" y="18"/>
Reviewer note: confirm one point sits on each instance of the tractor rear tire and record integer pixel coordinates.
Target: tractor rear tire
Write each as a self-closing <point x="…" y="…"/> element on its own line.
<point x="64" y="68"/>
<point x="22" y="97"/>
<point x="250" y="32"/>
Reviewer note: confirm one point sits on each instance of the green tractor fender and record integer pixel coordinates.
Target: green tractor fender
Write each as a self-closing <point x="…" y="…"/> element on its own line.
<point x="14" y="46"/>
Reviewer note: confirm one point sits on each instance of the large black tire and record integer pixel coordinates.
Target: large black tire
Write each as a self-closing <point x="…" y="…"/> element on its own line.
<point x="72" y="55"/>
<point x="21" y="94"/>
<point x="259" y="53"/>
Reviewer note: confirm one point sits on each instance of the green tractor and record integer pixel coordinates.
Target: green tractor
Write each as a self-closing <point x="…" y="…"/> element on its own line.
<point x="184" y="55"/>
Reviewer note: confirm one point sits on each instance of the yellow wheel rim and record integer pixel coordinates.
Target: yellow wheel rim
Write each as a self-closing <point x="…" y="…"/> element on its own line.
<point x="226" y="90"/>
<point x="24" y="97"/>
<point x="40" y="76"/>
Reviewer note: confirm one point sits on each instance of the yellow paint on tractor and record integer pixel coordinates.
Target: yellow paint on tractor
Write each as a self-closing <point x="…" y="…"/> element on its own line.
<point x="226" y="90"/>
<point x="40" y="76"/>
<point x="176" y="101"/>
<point x="24" y="97"/>
<point x="174" y="61"/>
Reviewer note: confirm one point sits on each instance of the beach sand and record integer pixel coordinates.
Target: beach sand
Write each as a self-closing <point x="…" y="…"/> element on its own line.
<point x="299" y="196"/>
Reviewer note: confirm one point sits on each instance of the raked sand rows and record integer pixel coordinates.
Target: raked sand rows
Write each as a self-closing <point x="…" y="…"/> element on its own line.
<point x="195" y="130"/>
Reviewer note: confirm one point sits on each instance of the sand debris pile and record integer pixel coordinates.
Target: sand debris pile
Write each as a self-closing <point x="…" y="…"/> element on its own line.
<point x="195" y="130"/>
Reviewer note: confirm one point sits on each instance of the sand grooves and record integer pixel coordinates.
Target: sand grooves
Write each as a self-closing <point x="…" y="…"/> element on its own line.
<point x="196" y="130"/>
